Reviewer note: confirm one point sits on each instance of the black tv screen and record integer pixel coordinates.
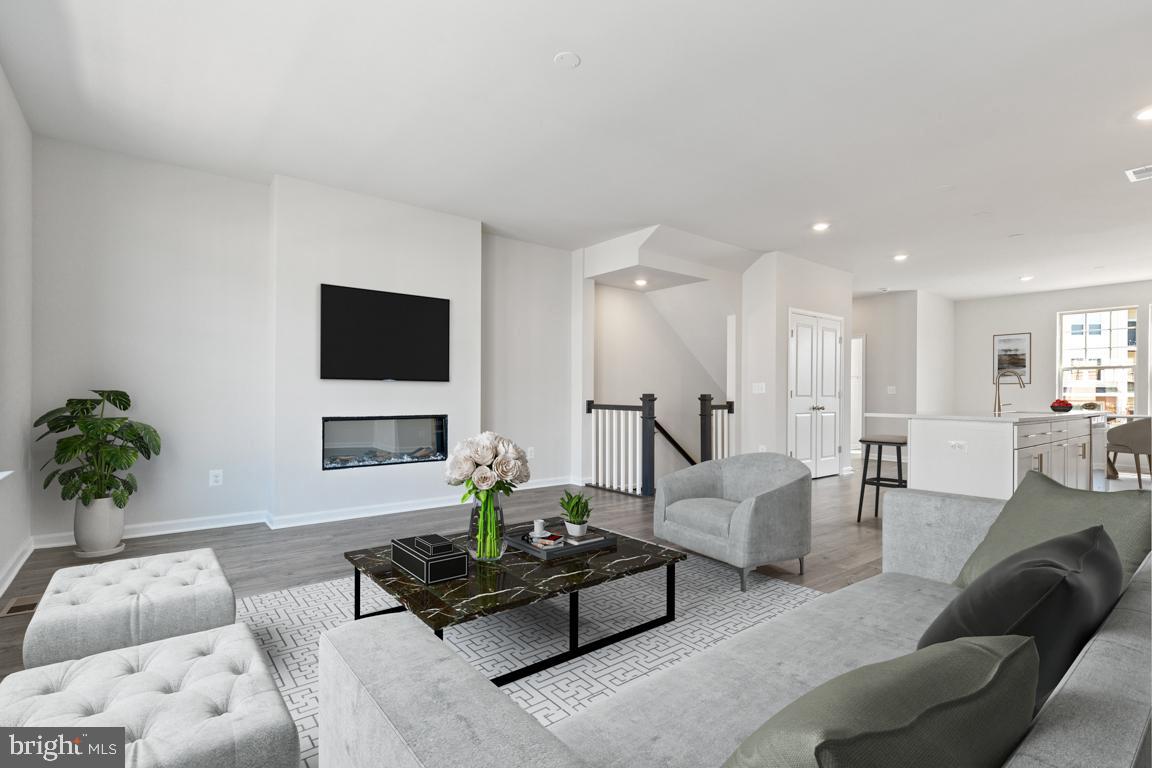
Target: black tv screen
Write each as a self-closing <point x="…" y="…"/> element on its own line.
<point x="382" y="336"/>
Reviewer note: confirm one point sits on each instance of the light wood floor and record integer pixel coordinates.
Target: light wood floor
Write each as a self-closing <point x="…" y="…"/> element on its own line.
<point x="259" y="560"/>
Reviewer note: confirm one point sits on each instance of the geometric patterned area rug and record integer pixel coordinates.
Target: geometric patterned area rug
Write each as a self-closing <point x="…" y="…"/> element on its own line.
<point x="709" y="609"/>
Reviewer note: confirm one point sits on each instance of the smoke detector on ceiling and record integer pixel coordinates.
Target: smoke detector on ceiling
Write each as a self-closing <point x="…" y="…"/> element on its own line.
<point x="1139" y="174"/>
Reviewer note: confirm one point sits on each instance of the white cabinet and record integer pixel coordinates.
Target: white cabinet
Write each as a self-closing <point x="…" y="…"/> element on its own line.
<point x="1061" y="450"/>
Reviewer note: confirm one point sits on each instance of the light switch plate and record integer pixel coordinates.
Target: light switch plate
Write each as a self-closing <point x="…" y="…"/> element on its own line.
<point x="759" y="387"/>
<point x="891" y="389"/>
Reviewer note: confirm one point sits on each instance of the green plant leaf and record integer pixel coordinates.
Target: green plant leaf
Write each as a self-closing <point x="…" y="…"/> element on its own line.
<point x="51" y="476"/>
<point x="82" y="406"/>
<point x="115" y="397"/>
<point x="148" y="436"/>
<point x="118" y="456"/>
<point x="68" y="448"/>
<point x="129" y="481"/>
<point x="120" y="498"/>
<point x="50" y="415"/>
<point x="98" y="428"/>
<point x="87" y="495"/>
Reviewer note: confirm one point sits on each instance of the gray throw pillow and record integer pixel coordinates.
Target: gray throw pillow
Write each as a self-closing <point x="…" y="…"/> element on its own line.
<point x="967" y="703"/>
<point x="1056" y="592"/>
<point x="1042" y="509"/>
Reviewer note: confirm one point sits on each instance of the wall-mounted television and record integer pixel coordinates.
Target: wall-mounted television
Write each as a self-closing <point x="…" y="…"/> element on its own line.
<point x="382" y="336"/>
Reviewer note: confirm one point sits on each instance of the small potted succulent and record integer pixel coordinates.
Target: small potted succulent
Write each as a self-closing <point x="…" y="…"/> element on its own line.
<point x="576" y="513"/>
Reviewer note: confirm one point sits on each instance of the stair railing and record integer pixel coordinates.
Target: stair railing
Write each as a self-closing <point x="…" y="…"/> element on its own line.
<point x="625" y="437"/>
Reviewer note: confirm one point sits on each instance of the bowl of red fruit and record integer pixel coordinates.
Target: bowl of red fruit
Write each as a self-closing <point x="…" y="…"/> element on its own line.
<point x="1061" y="406"/>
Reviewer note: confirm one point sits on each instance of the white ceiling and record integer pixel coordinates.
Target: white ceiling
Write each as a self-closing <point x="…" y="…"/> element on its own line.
<point x="936" y="128"/>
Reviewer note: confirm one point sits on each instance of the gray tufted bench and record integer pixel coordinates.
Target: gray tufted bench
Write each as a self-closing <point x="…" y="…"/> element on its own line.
<point x="92" y="608"/>
<point x="205" y="699"/>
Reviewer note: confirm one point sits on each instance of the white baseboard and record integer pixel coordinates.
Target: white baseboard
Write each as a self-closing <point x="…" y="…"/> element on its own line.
<point x="15" y="563"/>
<point x="158" y="527"/>
<point x="391" y="508"/>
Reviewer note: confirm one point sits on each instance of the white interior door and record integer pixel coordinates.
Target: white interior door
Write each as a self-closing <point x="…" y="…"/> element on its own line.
<point x="814" y="392"/>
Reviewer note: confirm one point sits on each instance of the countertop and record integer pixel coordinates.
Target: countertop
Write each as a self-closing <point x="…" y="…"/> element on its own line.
<point x="1009" y="418"/>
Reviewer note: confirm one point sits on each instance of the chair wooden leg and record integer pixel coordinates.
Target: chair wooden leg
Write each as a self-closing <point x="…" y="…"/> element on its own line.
<point x="879" y="464"/>
<point x="863" y="476"/>
<point x="1139" y="478"/>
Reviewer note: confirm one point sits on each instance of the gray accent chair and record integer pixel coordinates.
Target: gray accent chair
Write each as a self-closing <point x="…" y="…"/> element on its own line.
<point x="744" y="510"/>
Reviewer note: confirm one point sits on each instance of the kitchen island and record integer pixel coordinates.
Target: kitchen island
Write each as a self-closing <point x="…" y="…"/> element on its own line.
<point x="989" y="455"/>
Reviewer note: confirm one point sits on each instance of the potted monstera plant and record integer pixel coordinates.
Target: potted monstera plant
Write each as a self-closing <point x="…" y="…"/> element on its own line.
<point x="93" y="458"/>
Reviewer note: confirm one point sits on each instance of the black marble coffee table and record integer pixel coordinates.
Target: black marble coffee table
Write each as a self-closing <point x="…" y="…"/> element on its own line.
<point x="519" y="579"/>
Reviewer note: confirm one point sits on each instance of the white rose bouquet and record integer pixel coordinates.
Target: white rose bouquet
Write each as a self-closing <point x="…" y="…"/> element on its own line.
<point x="487" y="465"/>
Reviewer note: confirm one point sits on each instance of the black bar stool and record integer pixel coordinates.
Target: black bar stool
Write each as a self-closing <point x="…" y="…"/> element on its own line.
<point x="879" y="480"/>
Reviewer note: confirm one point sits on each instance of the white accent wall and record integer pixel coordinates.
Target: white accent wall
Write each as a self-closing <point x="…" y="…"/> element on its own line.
<point x="935" y="353"/>
<point x="156" y="279"/>
<point x="888" y="323"/>
<point x="325" y="235"/>
<point x="526" y="389"/>
<point x="15" y="335"/>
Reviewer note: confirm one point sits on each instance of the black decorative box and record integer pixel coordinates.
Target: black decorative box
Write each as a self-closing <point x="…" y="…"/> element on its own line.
<point x="430" y="558"/>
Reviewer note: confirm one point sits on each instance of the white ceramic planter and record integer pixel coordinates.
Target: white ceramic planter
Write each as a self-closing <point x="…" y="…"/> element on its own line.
<point x="576" y="530"/>
<point x="99" y="528"/>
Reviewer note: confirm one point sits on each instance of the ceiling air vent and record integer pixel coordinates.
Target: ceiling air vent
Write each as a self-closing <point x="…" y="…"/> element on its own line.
<point x="1139" y="174"/>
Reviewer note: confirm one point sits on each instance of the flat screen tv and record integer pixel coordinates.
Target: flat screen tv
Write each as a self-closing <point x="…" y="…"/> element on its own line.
<point x="382" y="336"/>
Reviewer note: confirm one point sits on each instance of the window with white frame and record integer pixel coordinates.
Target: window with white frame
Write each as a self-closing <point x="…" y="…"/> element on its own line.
<point x="1098" y="358"/>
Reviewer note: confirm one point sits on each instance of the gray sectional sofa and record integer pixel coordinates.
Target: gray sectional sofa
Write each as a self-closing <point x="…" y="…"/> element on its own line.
<point x="392" y="694"/>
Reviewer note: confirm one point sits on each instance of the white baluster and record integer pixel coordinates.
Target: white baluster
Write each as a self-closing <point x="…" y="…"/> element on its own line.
<point x="637" y="453"/>
<point x="599" y="447"/>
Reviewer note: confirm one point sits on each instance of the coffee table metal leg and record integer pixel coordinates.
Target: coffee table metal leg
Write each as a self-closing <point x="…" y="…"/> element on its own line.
<point x="573" y="621"/>
<point x="356" y="614"/>
<point x="576" y="650"/>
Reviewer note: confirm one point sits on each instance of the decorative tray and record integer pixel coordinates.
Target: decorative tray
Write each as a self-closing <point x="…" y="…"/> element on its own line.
<point x="519" y="541"/>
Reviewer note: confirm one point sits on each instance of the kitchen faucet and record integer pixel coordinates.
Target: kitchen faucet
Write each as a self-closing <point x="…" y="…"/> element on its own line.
<point x="998" y="407"/>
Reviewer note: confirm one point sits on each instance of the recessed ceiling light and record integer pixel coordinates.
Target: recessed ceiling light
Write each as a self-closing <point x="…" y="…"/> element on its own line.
<point x="1026" y="278"/>
<point x="1145" y="115"/>
<point x="566" y="59"/>
<point x="900" y="257"/>
<point x="641" y="282"/>
<point x="821" y="226"/>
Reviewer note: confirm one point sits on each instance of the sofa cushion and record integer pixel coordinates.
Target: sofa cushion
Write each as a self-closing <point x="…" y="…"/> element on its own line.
<point x="710" y="516"/>
<point x="87" y="609"/>
<point x="1042" y="508"/>
<point x="732" y="687"/>
<point x="970" y="697"/>
<point x="1057" y="592"/>
<point x="205" y="699"/>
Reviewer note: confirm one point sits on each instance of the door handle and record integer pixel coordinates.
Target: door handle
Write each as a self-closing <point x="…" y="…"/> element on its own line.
<point x="1083" y="450"/>
<point x="816" y="408"/>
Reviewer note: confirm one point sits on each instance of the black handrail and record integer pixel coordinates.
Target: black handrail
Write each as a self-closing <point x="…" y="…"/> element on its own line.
<point x="672" y="441"/>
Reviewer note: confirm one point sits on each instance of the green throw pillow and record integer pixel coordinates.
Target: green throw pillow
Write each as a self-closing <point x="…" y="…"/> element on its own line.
<point x="1042" y="509"/>
<point x="967" y="702"/>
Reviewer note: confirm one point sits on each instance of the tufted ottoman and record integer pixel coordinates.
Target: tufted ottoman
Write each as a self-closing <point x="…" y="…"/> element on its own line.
<point x="98" y="607"/>
<point x="199" y="700"/>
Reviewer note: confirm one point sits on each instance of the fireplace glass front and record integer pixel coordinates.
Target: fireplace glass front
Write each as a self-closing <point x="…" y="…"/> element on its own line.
<point x="370" y="441"/>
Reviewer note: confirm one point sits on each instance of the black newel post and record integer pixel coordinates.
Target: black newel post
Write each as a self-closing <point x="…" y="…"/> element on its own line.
<point x="705" y="428"/>
<point x="648" y="444"/>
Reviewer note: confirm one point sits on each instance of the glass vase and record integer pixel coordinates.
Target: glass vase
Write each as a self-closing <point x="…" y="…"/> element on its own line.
<point x="486" y="528"/>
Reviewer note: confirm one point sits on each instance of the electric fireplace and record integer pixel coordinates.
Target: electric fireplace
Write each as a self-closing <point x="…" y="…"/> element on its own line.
<point x="371" y="441"/>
